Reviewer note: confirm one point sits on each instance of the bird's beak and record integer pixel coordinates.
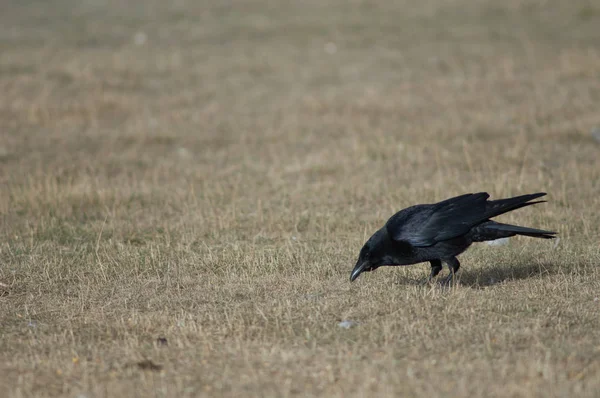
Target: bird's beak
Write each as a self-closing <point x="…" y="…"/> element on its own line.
<point x="358" y="269"/>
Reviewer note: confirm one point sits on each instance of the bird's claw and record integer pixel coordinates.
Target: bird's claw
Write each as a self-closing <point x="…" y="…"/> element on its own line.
<point x="426" y="281"/>
<point x="449" y="280"/>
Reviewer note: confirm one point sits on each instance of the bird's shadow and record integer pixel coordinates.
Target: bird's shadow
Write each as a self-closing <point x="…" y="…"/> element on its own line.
<point x="490" y="276"/>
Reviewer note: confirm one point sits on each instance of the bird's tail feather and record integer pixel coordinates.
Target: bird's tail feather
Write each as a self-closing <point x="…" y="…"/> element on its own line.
<point x="496" y="207"/>
<point x="494" y="230"/>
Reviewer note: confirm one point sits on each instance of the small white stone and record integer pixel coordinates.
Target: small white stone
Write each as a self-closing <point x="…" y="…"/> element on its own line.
<point x="140" y="38"/>
<point x="498" y="242"/>
<point x="330" y="48"/>
<point x="347" y="324"/>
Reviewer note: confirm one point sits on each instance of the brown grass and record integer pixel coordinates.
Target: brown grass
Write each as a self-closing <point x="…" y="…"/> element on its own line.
<point x="212" y="186"/>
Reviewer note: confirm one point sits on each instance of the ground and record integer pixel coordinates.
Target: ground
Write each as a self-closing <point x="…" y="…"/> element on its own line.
<point x="185" y="186"/>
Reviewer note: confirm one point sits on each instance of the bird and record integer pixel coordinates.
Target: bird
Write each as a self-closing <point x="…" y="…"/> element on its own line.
<point x="437" y="233"/>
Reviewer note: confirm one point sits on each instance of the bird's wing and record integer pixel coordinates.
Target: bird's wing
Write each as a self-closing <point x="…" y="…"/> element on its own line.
<point x="426" y="225"/>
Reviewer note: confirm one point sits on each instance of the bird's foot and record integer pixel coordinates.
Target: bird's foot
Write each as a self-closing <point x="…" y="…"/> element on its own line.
<point x="449" y="281"/>
<point x="430" y="279"/>
<point x="426" y="281"/>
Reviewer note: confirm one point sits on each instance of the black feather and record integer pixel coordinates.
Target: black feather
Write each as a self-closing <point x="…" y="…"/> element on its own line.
<point x="441" y="231"/>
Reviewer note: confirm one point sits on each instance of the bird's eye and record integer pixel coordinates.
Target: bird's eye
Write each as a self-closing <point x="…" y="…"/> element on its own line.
<point x="364" y="253"/>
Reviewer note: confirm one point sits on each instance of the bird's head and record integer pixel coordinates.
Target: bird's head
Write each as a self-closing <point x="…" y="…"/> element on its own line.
<point x="371" y="255"/>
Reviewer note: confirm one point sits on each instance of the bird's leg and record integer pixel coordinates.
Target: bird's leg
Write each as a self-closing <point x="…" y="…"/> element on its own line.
<point x="436" y="267"/>
<point x="453" y="266"/>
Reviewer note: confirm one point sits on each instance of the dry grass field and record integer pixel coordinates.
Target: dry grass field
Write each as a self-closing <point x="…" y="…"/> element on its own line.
<point x="185" y="186"/>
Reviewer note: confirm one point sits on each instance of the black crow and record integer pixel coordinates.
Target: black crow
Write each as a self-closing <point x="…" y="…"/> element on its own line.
<point x="439" y="232"/>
